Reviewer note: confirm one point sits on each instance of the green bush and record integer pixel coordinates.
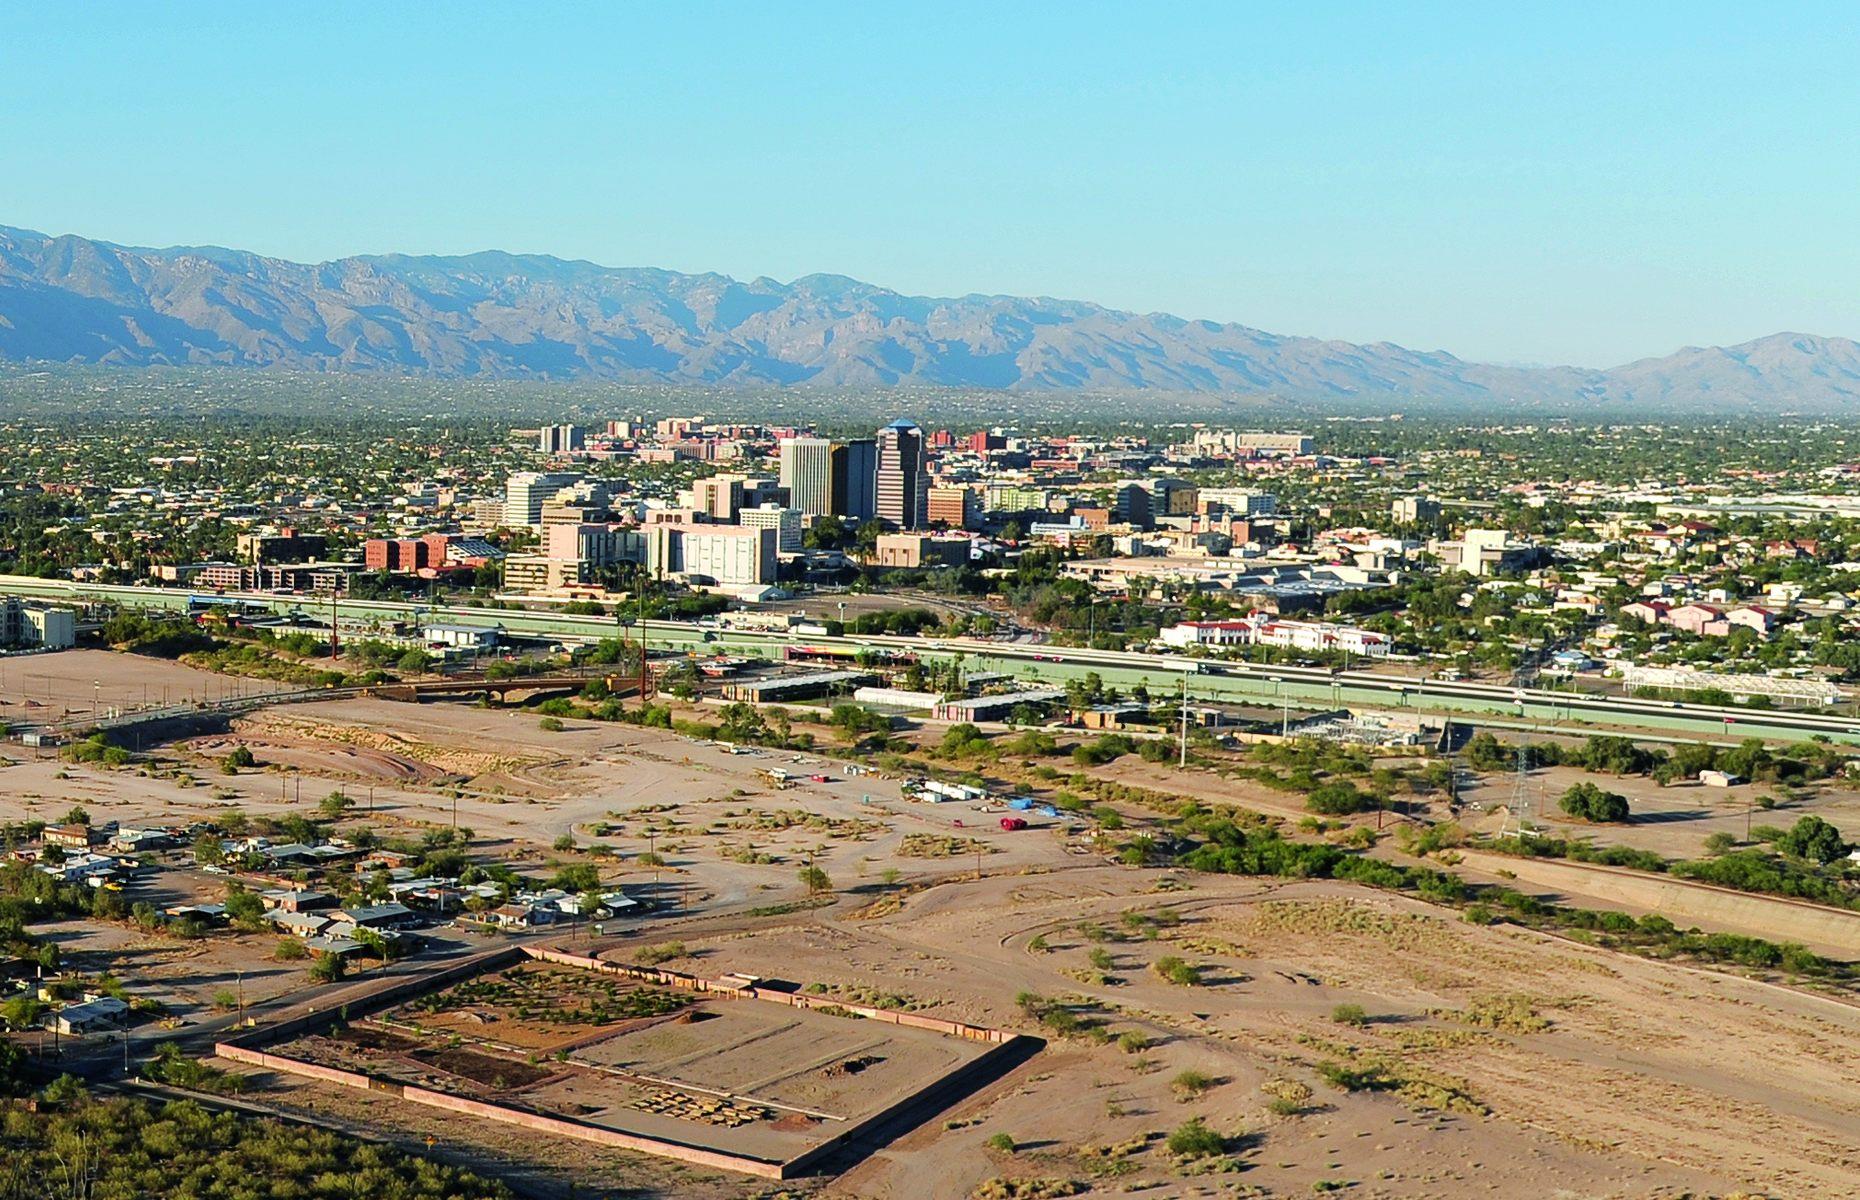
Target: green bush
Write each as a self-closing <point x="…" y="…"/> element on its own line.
<point x="1193" y="1139"/>
<point x="1349" y="1014"/>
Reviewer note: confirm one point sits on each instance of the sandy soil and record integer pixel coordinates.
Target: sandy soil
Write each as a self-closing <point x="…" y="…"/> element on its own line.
<point x="42" y="687"/>
<point x="1674" y="821"/>
<point x="1644" y="1079"/>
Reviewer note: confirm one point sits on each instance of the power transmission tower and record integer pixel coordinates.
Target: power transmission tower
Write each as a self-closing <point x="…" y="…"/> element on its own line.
<point x="1521" y="789"/>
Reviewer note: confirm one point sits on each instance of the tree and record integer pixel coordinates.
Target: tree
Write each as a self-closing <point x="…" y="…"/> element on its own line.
<point x="208" y="851"/>
<point x="815" y="880"/>
<point x="335" y="805"/>
<point x="1814" y="839"/>
<point x="22" y="1012"/>
<point x="1586" y="802"/>
<point x="828" y="532"/>
<point x="963" y="739"/>
<point x="244" y="909"/>
<point x="578" y="877"/>
<point x="328" y="968"/>
<point x="1339" y="798"/>
<point x="77" y="816"/>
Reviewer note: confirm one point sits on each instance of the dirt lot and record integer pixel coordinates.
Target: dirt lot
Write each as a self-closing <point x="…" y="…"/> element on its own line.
<point x="42" y="687"/>
<point x="1648" y="1060"/>
<point x="1673" y="821"/>
<point x="1488" y="1061"/>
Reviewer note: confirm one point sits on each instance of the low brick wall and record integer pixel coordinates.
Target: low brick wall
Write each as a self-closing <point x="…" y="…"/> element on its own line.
<point x="560" y="1127"/>
<point x="765" y="1168"/>
<point x="394" y="993"/>
<point x="292" y="1066"/>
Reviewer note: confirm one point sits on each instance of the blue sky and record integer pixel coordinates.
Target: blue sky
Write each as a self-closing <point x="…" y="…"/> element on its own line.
<point x="1530" y="183"/>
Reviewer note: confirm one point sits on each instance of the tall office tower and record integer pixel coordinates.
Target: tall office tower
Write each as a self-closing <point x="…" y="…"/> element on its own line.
<point x="807" y="471"/>
<point x="559" y="439"/>
<point x="855" y="479"/>
<point x="525" y="492"/>
<point x="903" y="483"/>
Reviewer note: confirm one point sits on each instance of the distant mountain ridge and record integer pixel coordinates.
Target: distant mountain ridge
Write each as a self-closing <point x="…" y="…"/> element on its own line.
<point x="496" y="315"/>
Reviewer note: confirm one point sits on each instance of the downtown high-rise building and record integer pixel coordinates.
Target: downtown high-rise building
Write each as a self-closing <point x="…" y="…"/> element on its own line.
<point x="559" y="439"/>
<point x="903" y="482"/>
<point x="855" y="479"/>
<point x="526" y="491"/>
<point x="807" y="471"/>
<point x="827" y="477"/>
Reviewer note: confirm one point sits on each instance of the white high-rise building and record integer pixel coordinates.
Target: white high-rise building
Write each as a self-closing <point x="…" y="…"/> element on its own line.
<point x="526" y="491"/>
<point x="786" y="522"/>
<point x="807" y="473"/>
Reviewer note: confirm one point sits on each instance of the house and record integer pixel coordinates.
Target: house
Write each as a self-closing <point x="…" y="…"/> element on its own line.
<point x="388" y="860"/>
<point x="138" y="841"/>
<point x="427" y="892"/>
<point x="1752" y="616"/>
<point x="1701" y="619"/>
<point x="1112" y="716"/>
<point x="299" y="924"/>
<point x="93" y="869"/>
<point x="212" y="914"/>
<point x="299" y="854"/>
<point x="1647" y="612"/>
<point x="339" y="946"/>
<point x="69" y="837"/>
<point x="518" y="916"/>
<point x="1586" y="603"/>
<point x="92" y="1014"/>
<point x="379" y="916"/>
<point x="612" y="904"/>
<point x="296" y="901"/>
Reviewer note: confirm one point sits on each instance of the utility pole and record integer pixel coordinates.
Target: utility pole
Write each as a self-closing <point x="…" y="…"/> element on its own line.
<point x="1183" y="759"/>
<point x="645" y="675"/>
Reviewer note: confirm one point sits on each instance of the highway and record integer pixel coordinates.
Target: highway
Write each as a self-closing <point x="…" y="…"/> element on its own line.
<point x="1292" y="687"/>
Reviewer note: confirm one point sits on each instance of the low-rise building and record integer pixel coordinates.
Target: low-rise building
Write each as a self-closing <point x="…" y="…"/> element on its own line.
<point x="26" y="625"/>
<point x="1262" y="630"/>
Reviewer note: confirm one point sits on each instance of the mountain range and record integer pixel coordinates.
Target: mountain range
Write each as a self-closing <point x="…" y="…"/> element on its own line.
<point x="494" y="315"/>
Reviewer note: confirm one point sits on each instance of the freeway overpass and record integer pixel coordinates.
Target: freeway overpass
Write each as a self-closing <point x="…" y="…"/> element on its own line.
<point x="1163" y="674"/>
